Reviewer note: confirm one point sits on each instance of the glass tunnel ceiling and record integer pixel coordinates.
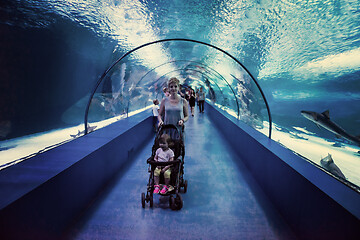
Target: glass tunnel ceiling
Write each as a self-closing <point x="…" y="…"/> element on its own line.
<point x="305" y="55"/>
<point x="231" y="86"/>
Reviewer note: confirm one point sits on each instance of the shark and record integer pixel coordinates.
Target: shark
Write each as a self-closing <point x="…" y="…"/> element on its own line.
<point x="90" y="129"/>
<point x="329" y="164"/>
<point x="323" y="120"/>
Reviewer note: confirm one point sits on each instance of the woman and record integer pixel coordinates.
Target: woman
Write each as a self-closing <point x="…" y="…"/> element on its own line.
<point x="174" y="108"/>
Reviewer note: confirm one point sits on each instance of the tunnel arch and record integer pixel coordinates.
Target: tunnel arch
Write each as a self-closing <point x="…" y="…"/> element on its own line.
<point x="174" y="61"/>
<point x="232" y="90"/>
<point x="204" y="66"/>
<point x="189" y="61"/>
<point x="175" y="40"/>
<point x="199" y="80"/>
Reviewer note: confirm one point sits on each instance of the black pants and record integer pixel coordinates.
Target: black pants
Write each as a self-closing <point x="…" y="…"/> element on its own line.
<point x="155" y="123"/>
<point x="201" y="105"/>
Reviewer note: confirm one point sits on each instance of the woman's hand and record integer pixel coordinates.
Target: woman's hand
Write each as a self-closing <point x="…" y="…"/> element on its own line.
<point x="181" y="122"/>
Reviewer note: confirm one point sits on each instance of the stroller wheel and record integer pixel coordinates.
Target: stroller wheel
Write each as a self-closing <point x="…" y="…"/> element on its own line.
<point x="185" y="186"/>
<point x="178" y="202"/>
<point x="143" y="200"/>
<point x="151" y="199"/>
<point x="172" y="203"/>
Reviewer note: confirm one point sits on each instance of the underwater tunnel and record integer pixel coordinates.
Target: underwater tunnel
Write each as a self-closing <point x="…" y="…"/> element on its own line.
<point x="76" y="124"/>
<point x="238" y="176"/>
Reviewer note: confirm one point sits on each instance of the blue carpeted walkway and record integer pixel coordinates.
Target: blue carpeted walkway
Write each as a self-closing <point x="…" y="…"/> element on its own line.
<point x="222" y="201"/>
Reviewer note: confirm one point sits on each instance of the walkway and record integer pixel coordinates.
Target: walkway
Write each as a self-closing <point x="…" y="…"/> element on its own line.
<point x="222" y="201"/>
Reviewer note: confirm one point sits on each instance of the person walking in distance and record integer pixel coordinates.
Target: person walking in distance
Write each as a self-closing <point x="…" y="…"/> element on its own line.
<point x="201" y="100"/>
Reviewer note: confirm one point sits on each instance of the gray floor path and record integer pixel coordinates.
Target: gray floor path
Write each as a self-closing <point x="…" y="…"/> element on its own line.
<point x="222" y="201"/>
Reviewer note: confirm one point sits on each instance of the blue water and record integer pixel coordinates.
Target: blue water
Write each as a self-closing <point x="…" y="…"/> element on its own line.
<point x="305" y="55"/>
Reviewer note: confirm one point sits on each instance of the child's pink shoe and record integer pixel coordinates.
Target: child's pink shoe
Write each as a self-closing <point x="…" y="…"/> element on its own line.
<point x="157" y="189"/>
<point x="164" y="190"/>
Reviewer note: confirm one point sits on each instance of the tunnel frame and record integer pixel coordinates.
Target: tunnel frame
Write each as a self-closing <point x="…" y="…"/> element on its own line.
<point x="232" y="90"/>
<point x="169" y="40"/>
<point x="188" y="61"/>
<point x="206" y="69"/>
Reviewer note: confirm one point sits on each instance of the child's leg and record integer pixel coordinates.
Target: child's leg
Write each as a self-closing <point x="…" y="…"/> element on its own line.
<point x="167" y="181"/>
<point x="167" y="175"/>
<point x="157" y="175"/>
<point x="156" y="180"/>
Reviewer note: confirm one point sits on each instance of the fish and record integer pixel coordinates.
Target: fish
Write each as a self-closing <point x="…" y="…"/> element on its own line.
<point x="90" y="129"/>
<point x="323" y="120"/>
<point x="329" y="164"/>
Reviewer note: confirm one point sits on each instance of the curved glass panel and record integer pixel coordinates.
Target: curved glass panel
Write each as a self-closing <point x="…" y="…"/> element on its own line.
<point x="54" y="52"/>
<point x="136" y="79"/>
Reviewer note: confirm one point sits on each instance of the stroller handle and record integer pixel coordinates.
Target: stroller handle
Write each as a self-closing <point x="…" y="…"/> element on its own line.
<point x="170" y="126"/>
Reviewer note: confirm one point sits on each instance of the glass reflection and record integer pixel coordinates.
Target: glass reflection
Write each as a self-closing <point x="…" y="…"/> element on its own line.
<point x="131" y="85"/>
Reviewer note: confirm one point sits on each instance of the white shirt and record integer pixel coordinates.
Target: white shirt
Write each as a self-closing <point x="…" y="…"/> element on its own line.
<point x="164" y="156"/>
<point x="155" y="109"/>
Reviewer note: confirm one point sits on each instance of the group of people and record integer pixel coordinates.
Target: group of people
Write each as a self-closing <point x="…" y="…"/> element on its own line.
<point x="173" y="110"/>
<point x="199" y="96"/>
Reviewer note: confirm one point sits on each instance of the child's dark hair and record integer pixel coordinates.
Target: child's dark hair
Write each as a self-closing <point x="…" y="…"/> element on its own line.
<point x="165" y="138"/>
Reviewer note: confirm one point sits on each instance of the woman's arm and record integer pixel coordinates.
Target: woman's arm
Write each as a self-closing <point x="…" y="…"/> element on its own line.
<point x="186" y="113"/>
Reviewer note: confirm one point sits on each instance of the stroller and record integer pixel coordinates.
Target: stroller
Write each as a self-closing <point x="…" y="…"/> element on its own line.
<point x="177" y="168"/>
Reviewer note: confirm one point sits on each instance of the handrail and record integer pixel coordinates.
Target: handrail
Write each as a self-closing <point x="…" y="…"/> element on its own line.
<point x="168" y="40"/>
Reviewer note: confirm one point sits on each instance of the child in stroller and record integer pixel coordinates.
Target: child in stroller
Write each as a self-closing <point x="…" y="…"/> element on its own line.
<point x="163" y="154"/>
<point x="176" y="166"/>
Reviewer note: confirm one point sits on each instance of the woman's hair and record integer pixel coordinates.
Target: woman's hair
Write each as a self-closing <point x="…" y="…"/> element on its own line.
<point x="174" y="80"/>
